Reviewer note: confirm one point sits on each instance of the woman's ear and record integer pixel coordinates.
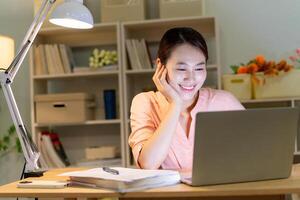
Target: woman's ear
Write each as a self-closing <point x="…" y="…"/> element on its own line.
<point x="158" y="62"/>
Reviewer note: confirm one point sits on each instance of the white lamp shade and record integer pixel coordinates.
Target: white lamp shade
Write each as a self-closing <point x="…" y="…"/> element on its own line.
<point x="7" y="51"/>
<point x="72" y="14"/>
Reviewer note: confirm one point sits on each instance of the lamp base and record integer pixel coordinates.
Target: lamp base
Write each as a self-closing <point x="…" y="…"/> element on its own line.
<point x="37" y="173"/>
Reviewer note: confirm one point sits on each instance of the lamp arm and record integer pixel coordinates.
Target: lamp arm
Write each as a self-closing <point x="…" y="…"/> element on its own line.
<point x="29" y="38"/>
<point x="29" y="149"/>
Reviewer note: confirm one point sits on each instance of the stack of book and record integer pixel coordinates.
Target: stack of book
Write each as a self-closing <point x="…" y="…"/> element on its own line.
<point x="52" y="152"/>
<point x="52" y="59"/>
<point x="123" y="179"/>
<point x="138" y="54"/>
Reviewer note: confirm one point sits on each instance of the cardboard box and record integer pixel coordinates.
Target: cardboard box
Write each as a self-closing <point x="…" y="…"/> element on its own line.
<point x="102" y="152"/>
<point x="64" y="108"/>
<point x="238" y="84"/>
<point x="122" y="10"/>
<point x="180" y="8"/>
<point x="286" y="84"/>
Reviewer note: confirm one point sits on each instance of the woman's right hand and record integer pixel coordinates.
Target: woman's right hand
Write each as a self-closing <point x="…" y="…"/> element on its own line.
<point x="160" y="80"/>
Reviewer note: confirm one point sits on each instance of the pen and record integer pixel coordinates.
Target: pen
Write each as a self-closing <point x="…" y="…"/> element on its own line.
<point x="110" y="170"/>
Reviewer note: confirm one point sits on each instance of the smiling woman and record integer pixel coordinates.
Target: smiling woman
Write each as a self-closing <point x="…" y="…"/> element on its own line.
<point x="162" y="122"/>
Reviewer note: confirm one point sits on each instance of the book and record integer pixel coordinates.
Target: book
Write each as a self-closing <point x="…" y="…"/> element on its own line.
<point x="59" y="148"/>
<point x="64" y="57"/>
<point x="53" y="156"/>
<point x="100" y="162"/>
<point x="45" y="160"/>
<point x="131" y="54"/>
<point x="38" y="69"/>
<point x="127" y="179"/>
<point x="42" y="160"/>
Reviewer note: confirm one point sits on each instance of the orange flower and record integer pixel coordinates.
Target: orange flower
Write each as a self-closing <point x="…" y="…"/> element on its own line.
<point x="252" y="68"/>
<point x="242" y="70"/>
<point x="260" y="59"/>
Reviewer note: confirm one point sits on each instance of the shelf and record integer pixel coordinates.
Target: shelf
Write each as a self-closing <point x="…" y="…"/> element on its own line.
<point x="153" y="29"/>
<point x="75" y="75"/>
<point x="80" y="38"/>
<point x="270" y="100"/>
<point x="140" y="71"/>
<point x="91" y="122"/>
<point x="148" y="71"/>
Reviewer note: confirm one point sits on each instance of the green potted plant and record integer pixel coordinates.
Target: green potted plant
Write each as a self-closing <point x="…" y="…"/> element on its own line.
<point x="10" y="141"/>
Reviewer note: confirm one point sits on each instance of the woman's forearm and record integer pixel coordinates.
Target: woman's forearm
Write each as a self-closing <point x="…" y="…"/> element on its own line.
<point x="157" y="147"/>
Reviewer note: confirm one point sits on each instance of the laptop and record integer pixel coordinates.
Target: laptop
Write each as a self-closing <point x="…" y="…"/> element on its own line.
<point x="242" y="146"/>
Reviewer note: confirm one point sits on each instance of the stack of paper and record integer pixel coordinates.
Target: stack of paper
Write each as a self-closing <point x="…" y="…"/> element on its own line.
<point x="127" y="180"/>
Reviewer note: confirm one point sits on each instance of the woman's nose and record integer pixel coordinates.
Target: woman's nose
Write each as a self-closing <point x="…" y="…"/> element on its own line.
<point x="189" y="75"/>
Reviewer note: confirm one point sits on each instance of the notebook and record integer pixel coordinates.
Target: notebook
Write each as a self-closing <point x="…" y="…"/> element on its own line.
<point x="126" y="180"/>
<point x="242" y="146"/>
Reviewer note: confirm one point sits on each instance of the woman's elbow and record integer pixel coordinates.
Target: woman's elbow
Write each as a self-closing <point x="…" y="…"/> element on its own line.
<point x="147" y="164"/>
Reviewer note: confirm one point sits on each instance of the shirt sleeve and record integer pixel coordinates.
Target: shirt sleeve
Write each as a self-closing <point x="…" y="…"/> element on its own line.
<point x="142" y="124"/>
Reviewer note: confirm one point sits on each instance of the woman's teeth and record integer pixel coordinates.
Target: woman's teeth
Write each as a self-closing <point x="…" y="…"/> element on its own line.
<point x="187" y="87"/>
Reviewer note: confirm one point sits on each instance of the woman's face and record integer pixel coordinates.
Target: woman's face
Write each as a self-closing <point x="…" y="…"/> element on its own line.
<point x="186" y="68"/>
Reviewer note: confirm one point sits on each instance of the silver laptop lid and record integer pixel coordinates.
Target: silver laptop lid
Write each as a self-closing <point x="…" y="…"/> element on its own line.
<point x="240" y="146"/>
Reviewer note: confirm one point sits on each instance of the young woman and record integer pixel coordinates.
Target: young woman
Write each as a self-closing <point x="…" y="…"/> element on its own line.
<point x="162" y="122"/>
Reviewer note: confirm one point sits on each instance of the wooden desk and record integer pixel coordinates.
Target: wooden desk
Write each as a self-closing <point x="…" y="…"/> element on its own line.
<point x="273" y="189"/>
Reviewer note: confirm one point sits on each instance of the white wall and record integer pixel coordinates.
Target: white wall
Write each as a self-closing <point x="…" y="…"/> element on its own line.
<point x="15" y="17"/>
<point x="251" y="27"/>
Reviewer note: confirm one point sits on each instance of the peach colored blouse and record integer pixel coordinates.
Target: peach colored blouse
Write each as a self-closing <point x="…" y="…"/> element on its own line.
<point x="148" y="110"/>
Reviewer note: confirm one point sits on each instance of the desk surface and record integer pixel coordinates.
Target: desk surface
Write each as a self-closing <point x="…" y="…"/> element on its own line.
<point x="272" y="187"/>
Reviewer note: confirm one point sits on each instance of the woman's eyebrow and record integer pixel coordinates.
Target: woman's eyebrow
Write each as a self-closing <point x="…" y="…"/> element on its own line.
<point x="183" y="63"/>
<point x="201" y="63"/>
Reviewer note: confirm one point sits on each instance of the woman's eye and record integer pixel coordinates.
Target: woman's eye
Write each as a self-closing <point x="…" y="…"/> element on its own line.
<point x="180" y="69"/>
<point x="199" y="69"/>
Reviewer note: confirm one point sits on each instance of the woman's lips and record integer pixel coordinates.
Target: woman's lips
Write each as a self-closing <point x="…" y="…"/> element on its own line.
<point x="187" y="88"/>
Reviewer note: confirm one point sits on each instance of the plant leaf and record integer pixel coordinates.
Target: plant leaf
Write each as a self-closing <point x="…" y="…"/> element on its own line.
<point x="6" y="139"/>
<point x="18" y="145"/>
<point x="234" y="68"/>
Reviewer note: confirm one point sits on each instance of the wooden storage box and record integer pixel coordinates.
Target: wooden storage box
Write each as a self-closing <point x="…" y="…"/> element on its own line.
<point x="122" y="10"/>
<point x="180" y="8"/>
<point x="286" y="84"/>
<point x="103" y="152"/>
<point x="238" y="84"/>
<point x="64" y="108"/>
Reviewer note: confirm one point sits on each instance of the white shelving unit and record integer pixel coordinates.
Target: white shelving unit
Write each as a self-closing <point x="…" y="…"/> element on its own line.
<point x="136" y="81"/>
<point x="126" y="81"/>
<point x="99" y="131"/>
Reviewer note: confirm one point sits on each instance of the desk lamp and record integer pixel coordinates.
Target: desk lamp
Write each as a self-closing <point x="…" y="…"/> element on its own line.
<point x="71" y="14"/>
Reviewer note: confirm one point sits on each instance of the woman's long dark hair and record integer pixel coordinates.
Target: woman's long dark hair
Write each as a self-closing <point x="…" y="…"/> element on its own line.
<point x="177" y="36"/>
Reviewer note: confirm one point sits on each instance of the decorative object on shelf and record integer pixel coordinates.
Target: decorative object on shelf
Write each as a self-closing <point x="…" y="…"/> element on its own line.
<point x="280" y="86"/>
<point x="122" y="10"/>
<point x="103" y="58"/>
<point x="296" y="58"/>
<point x="180" y="8"/>
<point x="64" y="108"/>
<point x="268" y="78"/>
<point x="102" y="152"/>
<point x="238" y="84"/>
<point x="6" y="140"/>
<point x="260" y="64"/>
<point x="77" y="16"/>
<point x="110" y="104"/>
